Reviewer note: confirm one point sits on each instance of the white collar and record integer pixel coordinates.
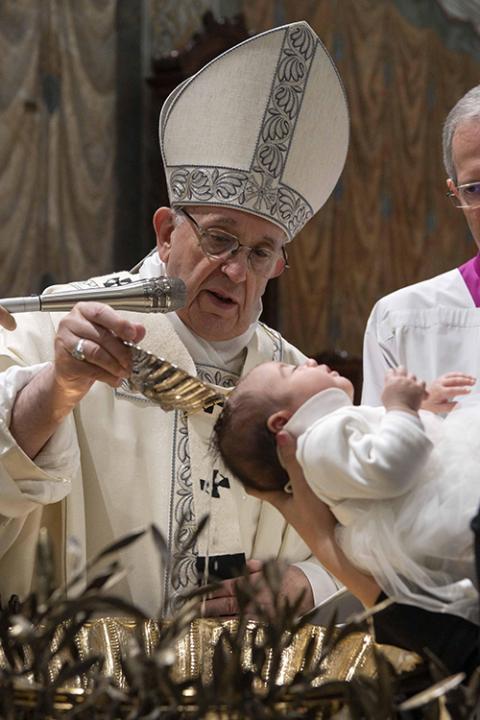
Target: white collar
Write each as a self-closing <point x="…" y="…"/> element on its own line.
<point x="316" y="407"/>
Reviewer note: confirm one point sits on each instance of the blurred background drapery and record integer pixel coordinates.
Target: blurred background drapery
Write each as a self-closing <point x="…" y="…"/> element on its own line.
<point x="77" y="139"/>
<point x="57" y="145"/>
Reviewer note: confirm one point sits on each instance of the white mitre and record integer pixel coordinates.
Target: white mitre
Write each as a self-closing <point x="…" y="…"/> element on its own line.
<point x="262" y="128"/>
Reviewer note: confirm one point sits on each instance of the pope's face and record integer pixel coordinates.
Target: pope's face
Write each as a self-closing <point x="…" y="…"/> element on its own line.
<point x="466" y="158"/>
<point x="296" y="383"/>
<point x="223" y="296"/>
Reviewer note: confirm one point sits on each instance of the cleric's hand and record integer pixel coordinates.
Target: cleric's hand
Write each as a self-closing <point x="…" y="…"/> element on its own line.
<point x="442" y="391"/>
<point x="6" y="320"/>
<point x="101" y="330"/>
<point x="222" y="602"/>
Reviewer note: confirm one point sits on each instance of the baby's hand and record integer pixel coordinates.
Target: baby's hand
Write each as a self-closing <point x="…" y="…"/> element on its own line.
<point x="402" y="391"/>
<point x="442" y="391"/>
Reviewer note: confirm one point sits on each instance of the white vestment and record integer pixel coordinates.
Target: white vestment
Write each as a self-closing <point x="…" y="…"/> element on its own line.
<point x="431" y="328"/>
<point x="404" y="492"/>
<point x="119" y="463"/>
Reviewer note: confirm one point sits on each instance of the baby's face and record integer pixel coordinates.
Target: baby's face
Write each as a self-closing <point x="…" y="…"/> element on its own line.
<point x="297" y="383"/>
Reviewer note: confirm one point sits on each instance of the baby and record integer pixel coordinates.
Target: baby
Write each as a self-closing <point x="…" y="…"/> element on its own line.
<point x="401" y="484"/>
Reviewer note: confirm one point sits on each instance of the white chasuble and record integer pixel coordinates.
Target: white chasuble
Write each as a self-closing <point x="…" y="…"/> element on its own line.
<point x="130" y="465"/>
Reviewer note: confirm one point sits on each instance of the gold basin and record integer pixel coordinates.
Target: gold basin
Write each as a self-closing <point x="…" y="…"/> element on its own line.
<point x="111" y="637"/>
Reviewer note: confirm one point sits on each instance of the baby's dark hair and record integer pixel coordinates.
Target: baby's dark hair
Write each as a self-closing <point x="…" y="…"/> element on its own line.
<point x="247" y="446"/>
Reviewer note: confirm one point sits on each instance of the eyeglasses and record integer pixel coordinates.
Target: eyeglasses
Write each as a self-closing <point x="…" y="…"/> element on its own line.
<point x="218" y="244"/>
<point x="467" y="196"/>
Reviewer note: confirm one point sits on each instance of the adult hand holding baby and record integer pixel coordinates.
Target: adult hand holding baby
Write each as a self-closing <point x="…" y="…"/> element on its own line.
<point x="314" y="521"/>
<point x="310" y="517"/>
<point x="294" y="581"/>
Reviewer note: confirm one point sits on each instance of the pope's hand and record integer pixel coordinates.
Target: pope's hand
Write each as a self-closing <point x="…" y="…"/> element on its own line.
<point x="88" y="347"/>
<point x="6" y="320"/>
<point x="93" y="332"/>
<point x="222" y="602"/>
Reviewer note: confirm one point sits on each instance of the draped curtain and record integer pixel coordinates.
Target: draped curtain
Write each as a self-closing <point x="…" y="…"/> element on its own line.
<point x="57" y="141"/>
<point x="404" y="63"/>
<point x="388" y="222"/>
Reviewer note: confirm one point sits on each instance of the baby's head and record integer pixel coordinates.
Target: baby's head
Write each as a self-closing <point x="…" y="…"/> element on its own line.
<point x="258" y="408"/>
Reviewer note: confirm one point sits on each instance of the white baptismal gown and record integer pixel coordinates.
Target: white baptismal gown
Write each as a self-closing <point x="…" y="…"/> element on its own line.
<point x="404" y="491"/>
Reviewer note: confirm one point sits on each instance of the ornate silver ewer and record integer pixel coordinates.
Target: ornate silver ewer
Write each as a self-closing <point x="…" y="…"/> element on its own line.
<point x="168" y="385"/>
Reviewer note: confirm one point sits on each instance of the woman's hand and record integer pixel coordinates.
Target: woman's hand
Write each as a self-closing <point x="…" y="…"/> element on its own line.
<point x="315" y="523"/>
<point x="302" y="509"/>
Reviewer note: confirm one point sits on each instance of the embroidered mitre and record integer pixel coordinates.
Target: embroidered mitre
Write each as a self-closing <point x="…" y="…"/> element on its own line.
<point x="262" y="128"/>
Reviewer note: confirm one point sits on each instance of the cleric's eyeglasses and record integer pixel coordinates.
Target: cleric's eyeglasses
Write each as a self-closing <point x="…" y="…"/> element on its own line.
<point x="467" y="196"/>
<point x="218" y="244"/>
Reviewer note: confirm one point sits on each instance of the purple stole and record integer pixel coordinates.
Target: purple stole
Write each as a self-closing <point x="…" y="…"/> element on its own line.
<point x="470" y="272"/>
